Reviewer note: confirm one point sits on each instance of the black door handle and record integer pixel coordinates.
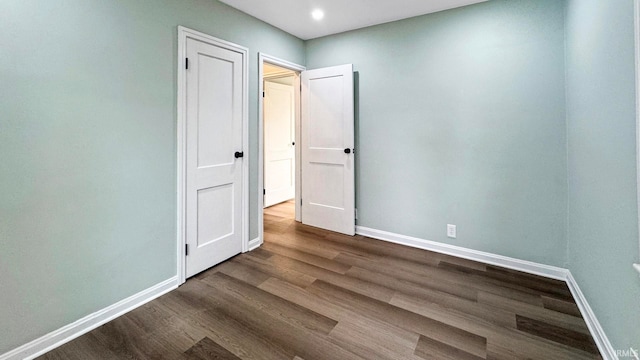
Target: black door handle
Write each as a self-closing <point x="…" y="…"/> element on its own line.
<point x="239" y="154"/>
<point x="347" y="151"/>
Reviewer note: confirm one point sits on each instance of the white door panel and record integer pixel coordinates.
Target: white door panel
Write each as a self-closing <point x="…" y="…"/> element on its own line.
<point x="328" y="168"/>
<point x="214" y="116"/>
<point x="279" y="137"/>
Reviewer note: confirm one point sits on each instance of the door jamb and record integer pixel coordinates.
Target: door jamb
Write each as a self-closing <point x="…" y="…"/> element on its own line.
<point x="636" y="13"/>
<point x="262" y="58"/>
<point x="184" y="34"/>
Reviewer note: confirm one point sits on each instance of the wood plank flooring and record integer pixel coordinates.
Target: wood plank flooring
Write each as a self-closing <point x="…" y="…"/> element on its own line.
<point x="311" y="294"/>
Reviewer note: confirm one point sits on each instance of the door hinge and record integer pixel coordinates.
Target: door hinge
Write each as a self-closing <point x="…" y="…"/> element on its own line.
<point x="186" y="249"/>
<point x="300" y="202"/>
<point x="263" y="94"/>
<point x="264" y="191"/>
<point x="186" y="63"/>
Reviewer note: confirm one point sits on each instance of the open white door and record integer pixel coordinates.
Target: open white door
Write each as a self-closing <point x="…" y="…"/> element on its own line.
<point x="214" y="145"/>
<point x="279" y="142"/>
<point x="328" y="164"/>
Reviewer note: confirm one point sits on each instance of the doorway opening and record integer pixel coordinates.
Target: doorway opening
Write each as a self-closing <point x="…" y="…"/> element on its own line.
<point x="319" y="150"/>
<point x="279" y="111"/>
<point x="279" y="151"/>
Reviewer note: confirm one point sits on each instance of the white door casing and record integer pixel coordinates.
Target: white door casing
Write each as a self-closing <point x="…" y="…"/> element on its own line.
<point x="328" y="164"/>
<point x="279" y="139"/>
<point x="215" y="181"/>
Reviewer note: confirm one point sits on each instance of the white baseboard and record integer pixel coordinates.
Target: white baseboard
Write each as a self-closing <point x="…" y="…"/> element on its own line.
<point x="461" y="252"/>
<point x="69" y="332"/>
<point x="253" y="244"/>
<point x="606" y="349"/>
<point x="599" y="336"/>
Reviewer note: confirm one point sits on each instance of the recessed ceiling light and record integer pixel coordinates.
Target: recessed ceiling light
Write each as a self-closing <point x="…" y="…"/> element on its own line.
<point x="317" y="14"/>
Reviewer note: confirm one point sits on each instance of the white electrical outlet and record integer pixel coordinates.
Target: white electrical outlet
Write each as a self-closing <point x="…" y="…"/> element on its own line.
<point x="451" y="231"/>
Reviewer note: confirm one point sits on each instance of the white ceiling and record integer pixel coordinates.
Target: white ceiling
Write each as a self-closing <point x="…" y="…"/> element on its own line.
<point x="294" y="16"/>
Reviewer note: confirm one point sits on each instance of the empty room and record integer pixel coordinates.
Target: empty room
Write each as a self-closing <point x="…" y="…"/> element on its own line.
<point x="286" y="179"/>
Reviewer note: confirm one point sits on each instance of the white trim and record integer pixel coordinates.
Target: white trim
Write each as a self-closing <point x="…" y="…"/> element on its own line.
<point x="181" y="153"/>
<point x="69" y="332"/>
<point x="297" y="83"/>
<point x="255" y="243"/>
<point x="597" y="332"/>
<point x="599" y="336"/>
<point x="262" y="58"/>
<point x="475" y="255"/>
<point x="637" y="267"/>
<point x="183" y="34"/>
<point x="636" y="13"/>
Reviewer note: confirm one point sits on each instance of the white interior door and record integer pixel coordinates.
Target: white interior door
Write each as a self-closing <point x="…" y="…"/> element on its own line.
<point x="328" y="173"/>
<point x="279" y="142"/>
<point x="214" y="105"/>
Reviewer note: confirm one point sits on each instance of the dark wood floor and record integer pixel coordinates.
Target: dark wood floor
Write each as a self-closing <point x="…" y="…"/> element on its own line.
<point x="312" y="294"/>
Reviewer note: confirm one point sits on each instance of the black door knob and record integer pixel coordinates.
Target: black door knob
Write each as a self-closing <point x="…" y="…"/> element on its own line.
<point x="239" y="154"/>
<point x="293" y="143"/>
<point x="347" y="151"/>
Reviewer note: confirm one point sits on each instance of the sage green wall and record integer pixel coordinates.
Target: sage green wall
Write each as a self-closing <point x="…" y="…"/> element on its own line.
<point x="462" y="121"/>
<point x="603" y="218"/>
<point x="88" y="149"/>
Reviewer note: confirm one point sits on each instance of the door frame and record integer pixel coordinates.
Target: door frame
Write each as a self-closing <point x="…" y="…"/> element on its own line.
<point x="264" y="58"/>
<point x="636" y="21"/>
<point x="184" y="34"/>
